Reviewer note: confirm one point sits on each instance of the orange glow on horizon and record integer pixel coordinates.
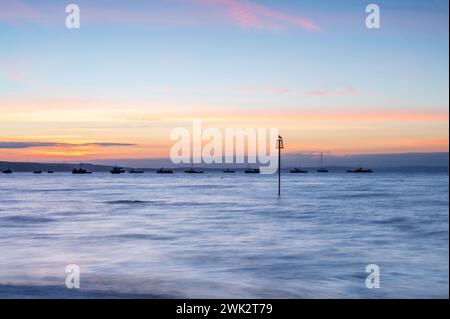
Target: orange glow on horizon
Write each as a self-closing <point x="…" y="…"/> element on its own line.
<point x="81" y="153"/>
<point x="83" y="122"/>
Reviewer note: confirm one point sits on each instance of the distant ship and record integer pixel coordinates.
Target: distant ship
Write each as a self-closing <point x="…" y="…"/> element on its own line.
<point x="117" y="170"/>
<point x="50" y="172"/>
<point x="360" y="170"/>
<point x="321" y="169"/>
<point x="134" y="171"/>
<point x="229" y="171"/>
<point x="7" y="171"/>
<point x="37" y="172"/>
<point x="192" y="170"/>
<point x="80" y="171"/>
<point x="252" y="171"/>
<point x="163" y="170"/>
<point x="298" y="170"/>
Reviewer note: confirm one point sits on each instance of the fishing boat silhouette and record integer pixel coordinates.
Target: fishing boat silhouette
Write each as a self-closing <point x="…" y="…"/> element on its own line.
<point x="163" y="170"/>
<point x="80" y="171"/>
<point x="117" y="170"/>
<point x="298" y="170"/>
<point x="252" y="171"/>
<point x="192" y="170"/>
<point x="322" y="169"/>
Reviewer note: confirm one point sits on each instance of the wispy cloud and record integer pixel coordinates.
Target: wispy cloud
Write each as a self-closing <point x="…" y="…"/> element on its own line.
<point x="249" y="14"/>
<point x="246" y="14"/>
<point x="19" y="145"/>
<point x="349" y="91"/>
<point x="19" y="11"/>
<point x="17" y="71"/>
<point x="311" y="116"/>
<point x="164" y="90"/>
<point x="264" y="90"/>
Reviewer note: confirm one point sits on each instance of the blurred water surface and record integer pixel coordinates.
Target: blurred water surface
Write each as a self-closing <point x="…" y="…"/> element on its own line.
<point x="217" y="235"/>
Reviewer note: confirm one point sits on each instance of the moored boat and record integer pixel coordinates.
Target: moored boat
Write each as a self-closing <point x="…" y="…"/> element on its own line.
<point x="360" y="170"/>
<point x="298" y="170"/>
<point x="117" y="170"/>
<point x="163" y="170"/>
<point x="192" y="170"/>
<point x="80" y="171"/>
<point x="322" y="169"/>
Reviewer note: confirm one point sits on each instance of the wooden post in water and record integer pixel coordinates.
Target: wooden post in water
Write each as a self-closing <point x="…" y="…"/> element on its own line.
<point x="279" y="146"/>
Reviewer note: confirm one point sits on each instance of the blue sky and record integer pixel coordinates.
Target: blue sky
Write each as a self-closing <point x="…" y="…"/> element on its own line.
<point x="255" y="56"/>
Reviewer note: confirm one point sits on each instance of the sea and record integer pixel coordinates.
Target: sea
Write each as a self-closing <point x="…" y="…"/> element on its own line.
<point x="216" y="235"/>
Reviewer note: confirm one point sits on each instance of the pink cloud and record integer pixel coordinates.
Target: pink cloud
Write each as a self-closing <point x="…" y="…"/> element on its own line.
<point x="244" y="13"/>
<point x="16" y="71"/>
<point x="263" y="90"/>
<point x="341" y="92"/>
<point x="317" y="93"/>
<point x="17" y="11"/>
<point x="14" y="10"/>
<point x="165" y="90"/>
<point x="143" y="16"/>
<point x="252" y="15"/>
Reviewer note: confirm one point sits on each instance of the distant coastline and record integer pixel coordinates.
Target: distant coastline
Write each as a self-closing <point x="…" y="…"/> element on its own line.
<point x="380" y="162"/>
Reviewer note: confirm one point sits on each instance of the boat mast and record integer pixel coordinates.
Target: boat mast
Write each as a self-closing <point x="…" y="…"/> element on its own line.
<point x="321" y="160"/>
<point x="279" y="146"/>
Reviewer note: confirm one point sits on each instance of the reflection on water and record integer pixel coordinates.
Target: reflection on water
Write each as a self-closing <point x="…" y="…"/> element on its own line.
<point x="218" y="235"/>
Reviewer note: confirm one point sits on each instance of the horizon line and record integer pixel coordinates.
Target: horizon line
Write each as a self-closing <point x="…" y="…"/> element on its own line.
<point x="310" y="154"/>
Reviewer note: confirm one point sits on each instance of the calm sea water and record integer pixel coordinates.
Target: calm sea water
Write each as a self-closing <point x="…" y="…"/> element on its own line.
<point x="224" y="235"/>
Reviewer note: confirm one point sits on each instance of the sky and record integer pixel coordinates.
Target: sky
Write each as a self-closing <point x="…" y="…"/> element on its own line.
<point x="135" y="70"/>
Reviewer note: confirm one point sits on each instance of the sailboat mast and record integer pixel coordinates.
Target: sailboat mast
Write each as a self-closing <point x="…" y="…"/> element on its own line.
<point x="279" y="146"/>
